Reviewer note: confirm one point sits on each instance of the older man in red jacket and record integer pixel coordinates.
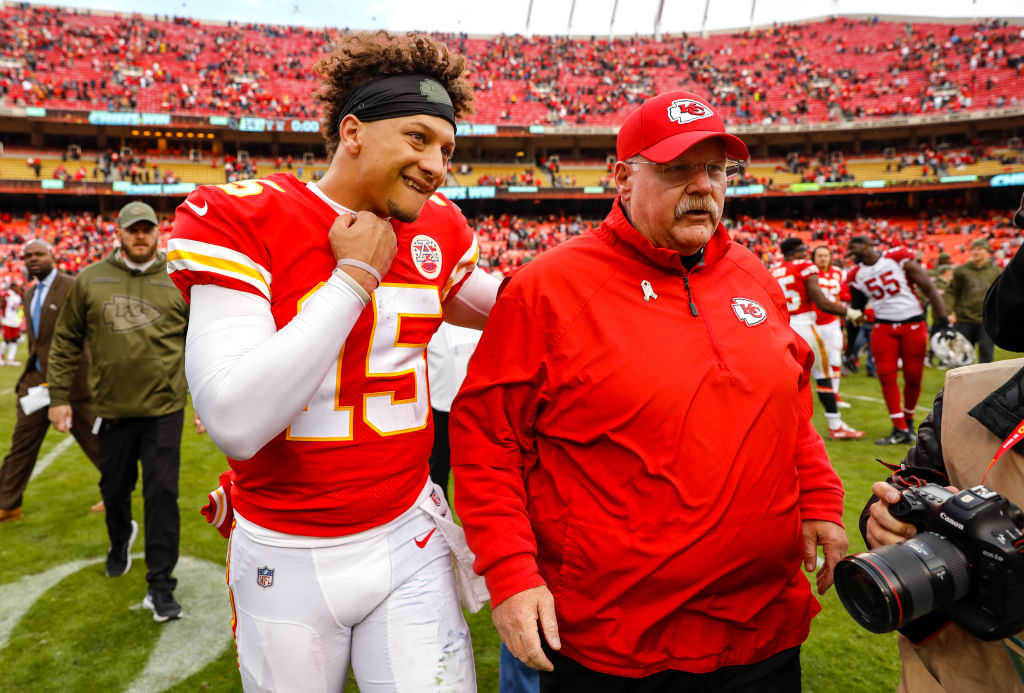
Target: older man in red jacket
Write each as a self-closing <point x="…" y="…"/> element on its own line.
<point x="638" y="475"/>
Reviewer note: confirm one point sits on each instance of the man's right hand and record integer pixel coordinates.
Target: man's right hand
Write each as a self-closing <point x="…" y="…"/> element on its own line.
<point x="367" y="238"/>
<point x="60" y="417"/>
<point x="882" y="528"/>
<point x="517" y="618"/>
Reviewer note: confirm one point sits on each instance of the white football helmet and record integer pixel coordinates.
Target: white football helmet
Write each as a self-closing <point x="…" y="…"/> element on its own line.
<point x="950" y="349"/>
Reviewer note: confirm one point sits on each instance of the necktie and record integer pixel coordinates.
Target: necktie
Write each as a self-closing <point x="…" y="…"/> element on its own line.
<point x="37" y="304"/>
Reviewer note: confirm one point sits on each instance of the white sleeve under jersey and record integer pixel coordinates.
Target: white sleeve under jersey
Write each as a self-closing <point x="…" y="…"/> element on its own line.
<point x="248" y="379"/>
<point x="472" y="304"/>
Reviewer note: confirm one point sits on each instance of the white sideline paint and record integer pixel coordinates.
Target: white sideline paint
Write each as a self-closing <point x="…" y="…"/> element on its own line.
<point x="18" y="597"/>
<point x="184" y="647"/>
<point x="865" y="398"/>
<point x="48" y="459"/>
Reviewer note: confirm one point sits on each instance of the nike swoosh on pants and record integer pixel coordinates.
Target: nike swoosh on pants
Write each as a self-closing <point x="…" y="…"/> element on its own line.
<point x="423" y="542"/>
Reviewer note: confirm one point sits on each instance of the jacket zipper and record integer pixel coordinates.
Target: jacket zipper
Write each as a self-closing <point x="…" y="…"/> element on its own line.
<point x="707" y="325"/>
<point x="689" y="297"/>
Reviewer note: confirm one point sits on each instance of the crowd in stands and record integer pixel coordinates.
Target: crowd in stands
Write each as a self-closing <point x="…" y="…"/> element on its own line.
<point x="78" y="240"/>
<point x="834" y="69"/>
<point x="926" y="236"/>
<point x="509" y="241"/>
<point x="525" y="177"/>
<point x="920" y="165"/>
<point x="109" y="166"/>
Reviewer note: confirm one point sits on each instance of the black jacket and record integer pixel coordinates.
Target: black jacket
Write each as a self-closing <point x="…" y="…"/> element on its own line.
<point x="1004" y="304"/>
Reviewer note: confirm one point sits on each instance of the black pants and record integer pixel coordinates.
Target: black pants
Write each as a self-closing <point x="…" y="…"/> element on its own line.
<point x="156" y="441"/>
<point x="975" y="332"/>
<point x="29" y="431"/>
<point x="780" y="673"/>
<point x="441" y="455"/>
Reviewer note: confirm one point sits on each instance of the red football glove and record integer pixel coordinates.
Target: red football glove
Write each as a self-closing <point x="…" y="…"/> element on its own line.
<point x="218" y="511"/>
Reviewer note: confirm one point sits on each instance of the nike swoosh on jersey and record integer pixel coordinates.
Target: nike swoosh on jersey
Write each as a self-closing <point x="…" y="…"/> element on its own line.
<point x="423" y="542"/>
<point x="201" y="211"/>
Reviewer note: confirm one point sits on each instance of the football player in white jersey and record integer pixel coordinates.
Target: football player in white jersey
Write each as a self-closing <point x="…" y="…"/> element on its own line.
<point x="900" y="332"/>
<point x="311" y="313"/>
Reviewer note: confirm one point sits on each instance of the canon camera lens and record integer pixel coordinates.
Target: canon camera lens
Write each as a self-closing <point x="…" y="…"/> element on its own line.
<point x="885" y="588"/>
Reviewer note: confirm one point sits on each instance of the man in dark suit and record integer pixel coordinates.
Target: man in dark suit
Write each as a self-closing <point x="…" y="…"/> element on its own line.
<point x="43" y="302"/>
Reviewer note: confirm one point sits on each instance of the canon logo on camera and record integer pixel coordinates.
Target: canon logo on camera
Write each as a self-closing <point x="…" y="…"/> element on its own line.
<point x="951" y="521"/>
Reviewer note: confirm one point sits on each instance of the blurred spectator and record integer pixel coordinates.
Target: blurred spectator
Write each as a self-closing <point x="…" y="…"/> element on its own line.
<point x="138" y="390"/>
<point x="44" y="298"/>
<point x="965" y="297"/>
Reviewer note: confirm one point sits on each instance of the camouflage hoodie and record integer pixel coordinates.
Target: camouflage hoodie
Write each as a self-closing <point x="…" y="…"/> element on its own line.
<point x="134" y="322"/>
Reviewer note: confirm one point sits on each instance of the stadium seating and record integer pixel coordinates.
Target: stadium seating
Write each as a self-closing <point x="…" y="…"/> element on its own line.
<point x="508" y="241"/>
<point x="65" y="59"/>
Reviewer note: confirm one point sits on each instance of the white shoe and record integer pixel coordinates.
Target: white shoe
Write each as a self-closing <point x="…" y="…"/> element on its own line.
<point x="842" y="404"/>
<point x="845" y="432"/>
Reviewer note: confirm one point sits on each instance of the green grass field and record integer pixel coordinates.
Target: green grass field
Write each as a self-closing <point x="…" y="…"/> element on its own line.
<point x="64" y="626"/>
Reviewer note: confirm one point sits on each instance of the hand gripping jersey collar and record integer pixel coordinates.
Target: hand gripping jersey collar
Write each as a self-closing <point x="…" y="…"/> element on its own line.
<point x="616" y="229"/>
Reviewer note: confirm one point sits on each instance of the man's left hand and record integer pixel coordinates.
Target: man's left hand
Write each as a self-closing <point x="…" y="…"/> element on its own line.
<point x="832" y="538"/>
<point x="518" y="619"/>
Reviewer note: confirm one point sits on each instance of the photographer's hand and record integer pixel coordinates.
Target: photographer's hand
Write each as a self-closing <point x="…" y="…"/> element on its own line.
<point x="882" y="528"/>
<point x="832" y="539"/>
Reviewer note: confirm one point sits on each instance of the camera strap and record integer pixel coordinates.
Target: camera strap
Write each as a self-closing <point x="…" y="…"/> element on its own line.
<point x="904" y="476"/>
<point x="1016" y="435"/>
<point x="1015" y="646"/>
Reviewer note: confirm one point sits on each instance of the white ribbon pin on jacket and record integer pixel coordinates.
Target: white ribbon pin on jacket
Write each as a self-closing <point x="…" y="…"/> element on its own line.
<point x="648" y="290"/>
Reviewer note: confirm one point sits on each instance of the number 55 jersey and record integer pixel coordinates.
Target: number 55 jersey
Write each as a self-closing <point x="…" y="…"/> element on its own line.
<point x="885" y="283"/>
<point x="356" y="456"/>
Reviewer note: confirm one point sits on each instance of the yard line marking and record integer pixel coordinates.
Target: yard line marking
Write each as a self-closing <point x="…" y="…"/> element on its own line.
<point x="52" y="455"/>
<point x="8" y="391"/>
<point x="876" y="399"/>
<point x="185" y="646"/>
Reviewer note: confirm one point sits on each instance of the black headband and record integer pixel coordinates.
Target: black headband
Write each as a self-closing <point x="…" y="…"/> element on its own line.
<point x="398" y="96"/>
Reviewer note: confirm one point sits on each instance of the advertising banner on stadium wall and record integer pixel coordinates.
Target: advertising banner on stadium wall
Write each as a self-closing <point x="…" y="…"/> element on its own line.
<point x="475" y="192"/>
<point x="128" y="118"/>
<point x="741" y="190"/>
<point x="1006" y="179"/>
<point x="273" y="125"/>
<point x="127" y="188"/>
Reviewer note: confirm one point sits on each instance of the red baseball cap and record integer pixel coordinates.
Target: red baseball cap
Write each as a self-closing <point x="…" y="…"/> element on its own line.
<point x="669" y="124"/>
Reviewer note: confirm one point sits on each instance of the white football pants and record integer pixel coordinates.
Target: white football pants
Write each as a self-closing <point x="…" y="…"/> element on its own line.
<point x="812" y="335"/>
<point x="386" y="601"/>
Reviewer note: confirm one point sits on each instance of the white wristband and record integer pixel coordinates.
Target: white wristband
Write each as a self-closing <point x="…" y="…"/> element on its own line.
<point x="360" y="265"/>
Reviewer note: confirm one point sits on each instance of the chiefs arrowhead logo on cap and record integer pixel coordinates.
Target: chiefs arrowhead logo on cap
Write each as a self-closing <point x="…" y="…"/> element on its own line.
<point x="685" y="111"/>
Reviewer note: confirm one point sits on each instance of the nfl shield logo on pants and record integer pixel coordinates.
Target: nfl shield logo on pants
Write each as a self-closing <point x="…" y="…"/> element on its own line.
<point x="265" y="577"/>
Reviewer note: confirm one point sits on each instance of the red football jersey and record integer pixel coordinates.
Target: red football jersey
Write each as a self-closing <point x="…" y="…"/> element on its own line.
<point x="356" y="457"/>
<point x="831" y="283"/>
<point x="792" y="277"/>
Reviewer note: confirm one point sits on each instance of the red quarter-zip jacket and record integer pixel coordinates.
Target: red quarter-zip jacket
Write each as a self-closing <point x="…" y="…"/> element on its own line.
<point x="638" y="438"/>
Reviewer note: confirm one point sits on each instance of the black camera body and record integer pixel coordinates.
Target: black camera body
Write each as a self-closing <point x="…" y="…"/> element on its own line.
<point x="966" y="564"/>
